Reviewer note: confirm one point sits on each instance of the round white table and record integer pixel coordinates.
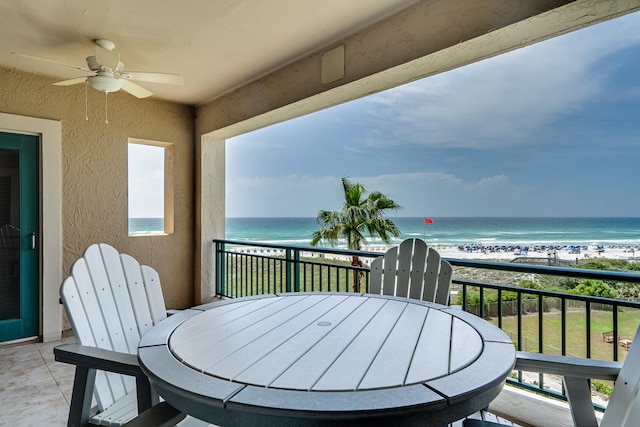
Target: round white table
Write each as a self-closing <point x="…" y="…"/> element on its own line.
<point x="326" y="359"/>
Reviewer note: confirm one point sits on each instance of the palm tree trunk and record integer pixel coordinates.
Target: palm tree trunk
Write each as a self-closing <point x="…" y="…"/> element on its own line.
<point x="356" y="262"/>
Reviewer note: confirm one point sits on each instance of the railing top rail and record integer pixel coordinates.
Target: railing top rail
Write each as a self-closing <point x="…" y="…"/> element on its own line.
<point x="544" y="269"/>
<point x="552" y="294"/>
<point x="318" y="249"/>
<point x="456" y="262"/>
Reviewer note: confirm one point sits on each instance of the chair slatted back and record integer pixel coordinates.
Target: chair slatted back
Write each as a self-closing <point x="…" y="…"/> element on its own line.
<point x="412" y="270"/>
<point x="623" y="409"/>
<point x="111" y="302"/>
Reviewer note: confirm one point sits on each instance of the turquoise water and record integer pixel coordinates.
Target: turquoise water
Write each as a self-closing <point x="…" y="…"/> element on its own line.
<point x="444" y="231"/>
<point x="146" y="225"/>
<point x="459" y="231"/>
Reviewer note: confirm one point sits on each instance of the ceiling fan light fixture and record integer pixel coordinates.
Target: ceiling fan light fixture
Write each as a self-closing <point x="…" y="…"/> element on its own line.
<point x="105" y="83"/>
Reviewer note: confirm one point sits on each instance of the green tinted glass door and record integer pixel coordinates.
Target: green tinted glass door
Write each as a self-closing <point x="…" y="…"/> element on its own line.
<point x="19" y="232"/>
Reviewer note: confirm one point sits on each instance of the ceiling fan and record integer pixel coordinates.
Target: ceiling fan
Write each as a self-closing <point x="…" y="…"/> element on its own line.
<point x="109" y="74"/>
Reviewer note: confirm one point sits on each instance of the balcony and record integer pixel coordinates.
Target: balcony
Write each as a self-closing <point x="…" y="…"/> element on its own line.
<point x="537" y="320"/>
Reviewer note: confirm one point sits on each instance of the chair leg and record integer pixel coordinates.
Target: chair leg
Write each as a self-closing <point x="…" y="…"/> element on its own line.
<point x="147" y="397"/>
<point x="578" y="393"/>
<point x="80" y="409"/>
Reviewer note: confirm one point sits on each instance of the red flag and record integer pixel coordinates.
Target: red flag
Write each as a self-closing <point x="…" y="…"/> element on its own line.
<point x="428" y="220"/>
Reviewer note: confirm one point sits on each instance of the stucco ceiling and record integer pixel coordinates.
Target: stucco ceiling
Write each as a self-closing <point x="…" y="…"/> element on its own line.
<point x="217" y="45"/>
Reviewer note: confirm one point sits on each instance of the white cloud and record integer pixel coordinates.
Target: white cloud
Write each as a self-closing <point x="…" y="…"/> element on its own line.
<point x="419" y="193"/>
<point x="504" y="100"/>
<point x="288" y="196"/>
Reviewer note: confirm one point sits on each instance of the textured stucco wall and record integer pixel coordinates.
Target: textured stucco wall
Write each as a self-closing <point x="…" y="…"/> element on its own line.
<point x="94" y="164"/>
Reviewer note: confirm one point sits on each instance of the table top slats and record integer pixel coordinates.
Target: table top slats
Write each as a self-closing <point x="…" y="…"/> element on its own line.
<point x="390" y="366"/>
<point x="466" y="345"/>
<point x="221" y="340"/>
<point x="195" y="329"/>
<point x="488" y="371"/>
<point x="278" y="347"/>
<point x="350" y="367"/>
<point x="311" y="364"/>
<point x="431" y="358"/>
<point x="487" y="331"/>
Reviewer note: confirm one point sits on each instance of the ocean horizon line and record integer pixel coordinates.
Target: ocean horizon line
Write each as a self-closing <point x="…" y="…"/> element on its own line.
<point x="463" y="217"/>
<point x="445" y="231"/>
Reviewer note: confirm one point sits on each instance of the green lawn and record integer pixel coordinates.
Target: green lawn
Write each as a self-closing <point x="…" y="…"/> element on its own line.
<point x="601" y="321"/>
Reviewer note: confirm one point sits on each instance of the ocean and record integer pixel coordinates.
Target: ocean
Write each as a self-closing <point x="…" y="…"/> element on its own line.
<point x="146" y="225"/>
<point x="619" y="232"/>
<point x="454" y="232"/>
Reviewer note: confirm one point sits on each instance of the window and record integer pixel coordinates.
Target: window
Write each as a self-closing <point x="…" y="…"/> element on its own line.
<point x="150" y="187"/>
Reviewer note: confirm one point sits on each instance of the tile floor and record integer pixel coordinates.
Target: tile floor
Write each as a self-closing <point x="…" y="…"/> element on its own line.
<point x="35" y="390"/>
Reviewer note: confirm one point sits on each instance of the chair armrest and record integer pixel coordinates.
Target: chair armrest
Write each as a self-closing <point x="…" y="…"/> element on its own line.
<point x="98" y="358"/>
<point x="88" y="360"/>
<point x="576" y="373"/>
<point x="160" y="415"/>
<point x="567" y="366"/>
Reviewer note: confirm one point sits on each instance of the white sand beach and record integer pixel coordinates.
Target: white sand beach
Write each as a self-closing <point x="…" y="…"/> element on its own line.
<point x="562" y="254"/>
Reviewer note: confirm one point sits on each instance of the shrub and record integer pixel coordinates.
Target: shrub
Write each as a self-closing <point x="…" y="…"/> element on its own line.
<point x="633" y="266"/>
<point x="602" y="387"/>
<point x="529" y="284"/>
<point x="596" y="288"/>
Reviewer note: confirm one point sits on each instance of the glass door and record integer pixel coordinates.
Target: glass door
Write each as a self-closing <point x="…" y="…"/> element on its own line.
<point x="19" y="232"/>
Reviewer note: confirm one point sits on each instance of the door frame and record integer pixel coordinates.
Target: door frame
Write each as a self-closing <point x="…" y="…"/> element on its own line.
<point x="50" y="244"/>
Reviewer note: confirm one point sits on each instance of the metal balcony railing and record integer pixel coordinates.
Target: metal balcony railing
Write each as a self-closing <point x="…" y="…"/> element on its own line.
<point x="537" y="320"/>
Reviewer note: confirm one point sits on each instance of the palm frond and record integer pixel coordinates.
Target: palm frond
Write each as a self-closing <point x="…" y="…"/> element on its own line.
<point x="360" y="217"/>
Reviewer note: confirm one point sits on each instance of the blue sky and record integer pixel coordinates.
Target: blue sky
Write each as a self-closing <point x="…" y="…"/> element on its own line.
<point x="552" y="129"/>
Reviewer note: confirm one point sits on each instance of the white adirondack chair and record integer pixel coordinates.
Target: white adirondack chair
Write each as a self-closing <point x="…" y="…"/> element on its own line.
<point x="623" y="409"/>
<point x="412" y="270"/>
<point x="111" y="301"/>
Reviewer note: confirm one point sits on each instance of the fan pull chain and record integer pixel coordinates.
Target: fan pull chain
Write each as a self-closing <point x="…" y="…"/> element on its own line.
<point x="106" y="105"/>
<point x="86" y="108"/>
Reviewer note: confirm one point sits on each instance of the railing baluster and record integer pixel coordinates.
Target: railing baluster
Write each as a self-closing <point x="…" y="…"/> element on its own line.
<point x="588" y="328"/>
<point x="540" y="336"/>
<point x="520" y="347"/>
<point x="615" y="332"/>
<point x="296" y="270"/>
<point x="464" y="298"/>
<point x="500" y="308"/>
<point x="563" y="323"/>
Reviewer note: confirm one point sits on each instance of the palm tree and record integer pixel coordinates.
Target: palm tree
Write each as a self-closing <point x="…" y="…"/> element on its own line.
<point x="360" y="217"/>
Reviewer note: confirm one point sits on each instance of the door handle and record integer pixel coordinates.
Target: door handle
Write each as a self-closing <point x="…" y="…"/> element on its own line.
<point x="33" y="241"/>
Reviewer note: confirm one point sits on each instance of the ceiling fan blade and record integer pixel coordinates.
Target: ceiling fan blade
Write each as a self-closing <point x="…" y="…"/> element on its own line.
<point x="106" y="58"/>
<point x="134" y="89"/>
<point x="71" y="82"/>
<point x="37" y="58"/>
<point x="165" y="78"/>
